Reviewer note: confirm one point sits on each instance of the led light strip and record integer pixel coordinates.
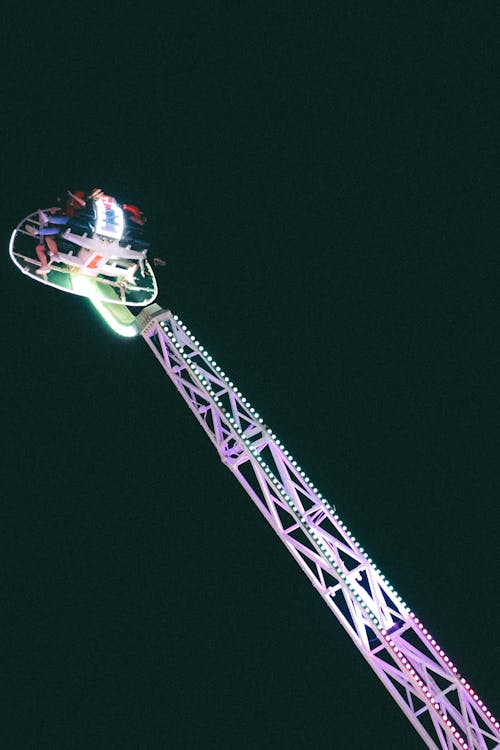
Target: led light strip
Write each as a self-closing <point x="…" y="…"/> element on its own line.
<point x="280" y="445"/>
<point x="317" y="537"/>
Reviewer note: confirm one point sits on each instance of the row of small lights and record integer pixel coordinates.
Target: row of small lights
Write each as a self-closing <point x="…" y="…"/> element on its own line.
<point x="437" y="648"/>
<point x="425" y="690"/>
<point x="277" y="442"/>
<point x="309" y="529"/>
<point x="324" y="549"/>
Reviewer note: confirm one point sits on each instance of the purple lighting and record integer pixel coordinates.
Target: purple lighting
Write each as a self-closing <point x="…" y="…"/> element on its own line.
<point x="407" y="659"/>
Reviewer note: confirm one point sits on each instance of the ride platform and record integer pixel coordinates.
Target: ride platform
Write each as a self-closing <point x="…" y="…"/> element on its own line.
<point x="100" y="267"/>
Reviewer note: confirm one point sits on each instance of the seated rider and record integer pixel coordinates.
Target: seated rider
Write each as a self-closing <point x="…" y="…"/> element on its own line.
<point x="84" y="214"/>
<point x="135" y="221"/>
<point x="79" y="213"/>
<point x="58" y="217"/>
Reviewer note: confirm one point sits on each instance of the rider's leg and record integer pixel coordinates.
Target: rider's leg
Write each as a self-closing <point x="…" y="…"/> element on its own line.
<point x="58" y="219"/>
<point x="52" y="245"/>
<point x="42" y="232"/>
<point x="40" y="251"/>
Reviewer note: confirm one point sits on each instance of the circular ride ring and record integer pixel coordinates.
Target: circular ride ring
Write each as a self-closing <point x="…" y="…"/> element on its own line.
<point x="132" y="285"/>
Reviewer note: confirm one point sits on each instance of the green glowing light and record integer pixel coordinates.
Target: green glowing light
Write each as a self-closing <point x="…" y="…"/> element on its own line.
<point x="118" y="317"/>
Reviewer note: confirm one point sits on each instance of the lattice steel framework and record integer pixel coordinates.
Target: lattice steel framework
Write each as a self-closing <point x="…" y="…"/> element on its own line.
<point x="439" y="702"/>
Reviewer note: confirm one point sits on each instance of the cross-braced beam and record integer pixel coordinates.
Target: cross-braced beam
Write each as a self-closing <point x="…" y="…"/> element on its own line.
<point x="441" y="705"/>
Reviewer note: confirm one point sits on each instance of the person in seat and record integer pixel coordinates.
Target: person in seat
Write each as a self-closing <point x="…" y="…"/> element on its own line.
<point x="92" y="214"/>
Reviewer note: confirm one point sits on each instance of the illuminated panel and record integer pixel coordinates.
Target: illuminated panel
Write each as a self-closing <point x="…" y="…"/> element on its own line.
<point x="110" y="221"/>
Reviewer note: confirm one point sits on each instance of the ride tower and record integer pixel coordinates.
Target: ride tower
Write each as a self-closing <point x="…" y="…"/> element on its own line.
<point x="443" y="707"/>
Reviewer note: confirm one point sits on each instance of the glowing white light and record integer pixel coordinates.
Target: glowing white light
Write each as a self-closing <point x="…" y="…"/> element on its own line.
<point x="85" y="285"/>
<point x="110" y="221"/>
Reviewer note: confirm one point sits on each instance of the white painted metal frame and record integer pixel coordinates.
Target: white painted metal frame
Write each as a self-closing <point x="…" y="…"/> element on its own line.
<point x="441" y="705"/>
<point x="67" y="263"/>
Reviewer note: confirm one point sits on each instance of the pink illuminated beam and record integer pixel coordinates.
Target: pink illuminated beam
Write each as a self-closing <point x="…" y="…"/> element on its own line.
<point x="440" y="703"/>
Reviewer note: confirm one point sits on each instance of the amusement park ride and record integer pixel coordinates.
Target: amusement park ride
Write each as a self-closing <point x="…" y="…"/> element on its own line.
<point x="100" y="262"/>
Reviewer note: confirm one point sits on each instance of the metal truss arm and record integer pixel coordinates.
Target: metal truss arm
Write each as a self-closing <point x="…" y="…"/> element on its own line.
<point x="441" y="705"/>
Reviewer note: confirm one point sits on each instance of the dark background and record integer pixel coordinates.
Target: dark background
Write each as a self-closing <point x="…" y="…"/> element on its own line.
<point x="323" y="181"/>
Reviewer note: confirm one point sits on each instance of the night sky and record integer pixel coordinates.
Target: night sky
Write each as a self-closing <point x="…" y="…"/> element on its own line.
<point x="323" y="180"/>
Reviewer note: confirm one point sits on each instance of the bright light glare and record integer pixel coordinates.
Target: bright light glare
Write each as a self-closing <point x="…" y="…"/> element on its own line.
<point x="85" y="285"/>
<point x="110" y="221"/>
